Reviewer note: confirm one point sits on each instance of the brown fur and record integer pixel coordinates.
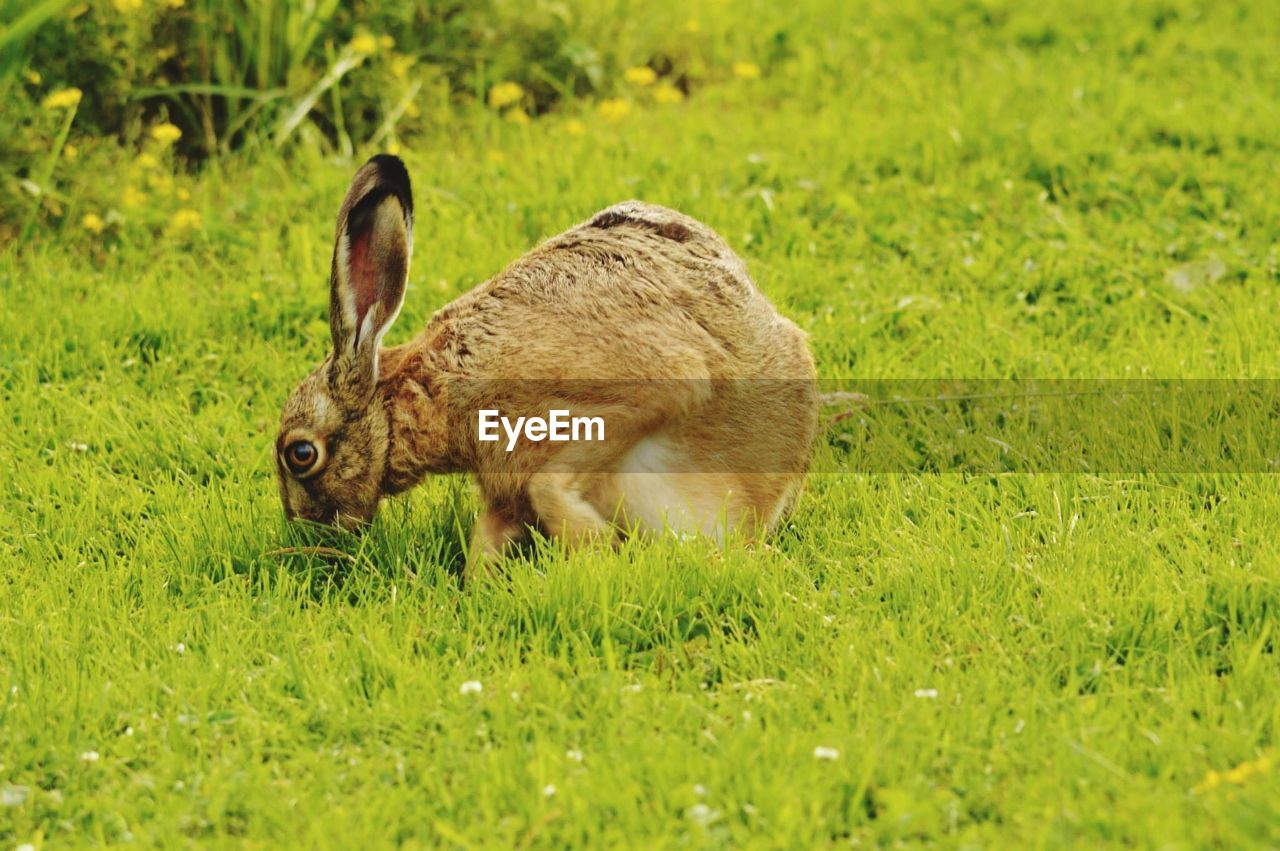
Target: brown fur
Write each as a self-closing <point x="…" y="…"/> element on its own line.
<point x="641" y="315"/>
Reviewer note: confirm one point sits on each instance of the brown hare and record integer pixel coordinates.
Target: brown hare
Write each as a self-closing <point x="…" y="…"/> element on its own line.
<point x="641" y="321"/>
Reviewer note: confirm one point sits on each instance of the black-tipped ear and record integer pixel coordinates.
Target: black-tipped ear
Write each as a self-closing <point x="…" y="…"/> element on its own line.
<point x="370" y="270"/>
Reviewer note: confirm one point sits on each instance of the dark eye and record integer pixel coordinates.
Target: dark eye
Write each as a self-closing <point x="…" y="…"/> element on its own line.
<point x="301" y="456"/>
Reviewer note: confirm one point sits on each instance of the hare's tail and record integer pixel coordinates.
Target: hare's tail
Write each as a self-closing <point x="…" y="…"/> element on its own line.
<point x="852" y="402"/>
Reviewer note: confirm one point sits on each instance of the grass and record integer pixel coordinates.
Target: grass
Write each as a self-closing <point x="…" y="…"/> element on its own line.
<point x="1046" y="660"/>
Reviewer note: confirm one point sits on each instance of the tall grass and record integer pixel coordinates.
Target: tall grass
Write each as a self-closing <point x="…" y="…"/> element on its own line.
<point x="229" y="73"/>
<point x="249" y="75"/>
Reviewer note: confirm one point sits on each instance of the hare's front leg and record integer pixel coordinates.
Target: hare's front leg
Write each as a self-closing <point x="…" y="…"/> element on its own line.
<point x="498" y="528"/>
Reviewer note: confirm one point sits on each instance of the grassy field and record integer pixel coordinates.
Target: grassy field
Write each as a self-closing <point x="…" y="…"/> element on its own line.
<point x="930" y="190"/>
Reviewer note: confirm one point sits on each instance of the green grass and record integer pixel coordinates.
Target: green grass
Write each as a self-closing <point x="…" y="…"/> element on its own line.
<point x="958" y="189"/>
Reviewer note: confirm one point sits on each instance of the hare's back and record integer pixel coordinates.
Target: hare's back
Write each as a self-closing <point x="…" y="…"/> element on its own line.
<point x="634" y="289"/>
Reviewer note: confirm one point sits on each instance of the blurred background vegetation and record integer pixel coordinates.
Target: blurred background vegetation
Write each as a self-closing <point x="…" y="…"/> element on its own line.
<point x="132" y="91"/>
<point x="119" y="119"/>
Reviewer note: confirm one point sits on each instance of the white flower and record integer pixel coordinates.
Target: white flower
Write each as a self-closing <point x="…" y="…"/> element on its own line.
<point x="26" y="846"/>
<point x="702" y="814"/>
<point x="928" y="693"/>
<point x="549" y="790"/>
<point x="79" y="447"/>
<point x="575" y="755"/>
<point x="179" y="648"/>
<point x="13" y="796"/>
<point x="828" y="754"/>
<point x="89" y="756"/>
<point x="700" y="790"/>
<point x="471" y="687"/>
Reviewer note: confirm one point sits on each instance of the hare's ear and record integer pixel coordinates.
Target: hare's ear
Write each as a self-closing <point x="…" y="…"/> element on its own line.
<point x="370" y="270"/>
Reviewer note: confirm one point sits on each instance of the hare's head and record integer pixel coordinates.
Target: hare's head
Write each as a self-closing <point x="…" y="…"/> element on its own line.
<point x="331" y="453"/>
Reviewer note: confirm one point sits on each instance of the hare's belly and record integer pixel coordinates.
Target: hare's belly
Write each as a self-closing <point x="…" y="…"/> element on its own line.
<point x="657" y="487"/>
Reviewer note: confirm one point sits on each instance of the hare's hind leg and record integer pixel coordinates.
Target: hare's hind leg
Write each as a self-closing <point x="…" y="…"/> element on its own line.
<point x="656" y="488"/>
<point x="575" y="495"/>
<point x="559" y="499"/>
<point x="733" y="472"/>
<point x="717" y="505"/>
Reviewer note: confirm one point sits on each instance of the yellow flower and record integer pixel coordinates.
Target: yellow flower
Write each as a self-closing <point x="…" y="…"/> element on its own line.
<point x="70" y="151"/>
<point x="32" y="76"/>
<point x="182" y="194"/>
<point x="124" y="6"/>
<point x="614" y="109"/>
<point x="641" y="75"/>
<point x="1239" y="775"/>
<point x="62" y="99"/>
<point x="693" y="25"/>
<point x="746" y="70"/>
<point x="386" y="42"/>
<point x="574" y="127"/>
<point x="364" y="44"/>
<point x="177" y="4"/>
<point x="667" y="93"/>
<point x="1246" y="770"/>
<point x="166" y="134"/>
<point x="411" y="109"/>
<point x="495" y="156"/>
<point x="516" y="115"/>
<point x="393" y="148"/>
<point x="131" y="197"/>
<point x="93" y="223"/>
<point x="401" y="65"/>
<point x="505" y="94"/>
<point x="184" y="220"/>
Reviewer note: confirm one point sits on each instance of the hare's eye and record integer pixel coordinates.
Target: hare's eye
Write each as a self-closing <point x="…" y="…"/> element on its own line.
<point x="301" y="457"/>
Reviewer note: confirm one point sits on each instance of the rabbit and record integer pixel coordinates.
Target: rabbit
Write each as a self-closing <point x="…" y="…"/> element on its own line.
<point x="641" y="317"/>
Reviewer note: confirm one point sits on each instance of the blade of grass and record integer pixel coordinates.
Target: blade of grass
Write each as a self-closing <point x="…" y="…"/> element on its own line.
<point x="348" y="60"/>
<point x="389" y="123"/>
<point x="29" y="21"/>
<point x="235" y="92"/>
<point x="339" y="119"/>
<point x="46" y="175"/>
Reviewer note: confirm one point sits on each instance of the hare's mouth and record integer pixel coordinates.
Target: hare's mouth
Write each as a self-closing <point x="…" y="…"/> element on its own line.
<point x="349" y="522"/>
<point x="323" y="516"/>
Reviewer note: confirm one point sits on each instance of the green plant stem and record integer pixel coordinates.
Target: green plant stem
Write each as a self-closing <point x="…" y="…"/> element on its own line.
<point x="46" y="175"/>
<point x="348" y="60"/>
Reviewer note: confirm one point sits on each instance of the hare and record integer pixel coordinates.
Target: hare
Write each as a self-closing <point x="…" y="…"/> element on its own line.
<point x="641" y="319"/>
